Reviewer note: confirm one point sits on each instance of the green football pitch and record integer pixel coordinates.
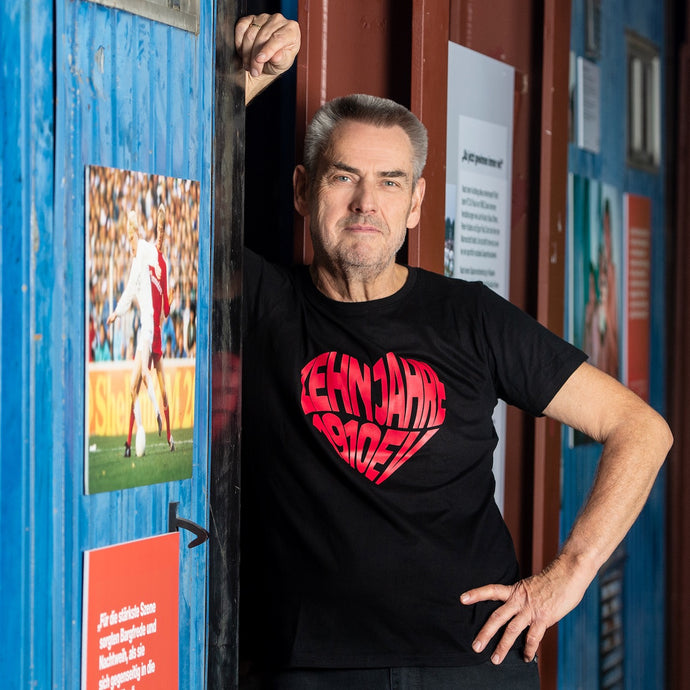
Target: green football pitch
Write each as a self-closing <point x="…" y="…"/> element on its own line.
<point x="109" y="470"/>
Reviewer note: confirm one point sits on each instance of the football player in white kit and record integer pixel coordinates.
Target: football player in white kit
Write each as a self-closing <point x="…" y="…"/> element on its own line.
<point x="138" y="287"/>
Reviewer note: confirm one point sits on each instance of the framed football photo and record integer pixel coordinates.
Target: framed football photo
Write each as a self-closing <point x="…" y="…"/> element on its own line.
<point x="141" y="268"/>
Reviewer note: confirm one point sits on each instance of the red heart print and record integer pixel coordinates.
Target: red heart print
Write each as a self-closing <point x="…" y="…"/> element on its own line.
<point x="375" y="417"/>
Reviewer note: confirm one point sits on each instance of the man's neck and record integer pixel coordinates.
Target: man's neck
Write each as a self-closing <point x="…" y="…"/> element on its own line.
<point x="357" y="286"/>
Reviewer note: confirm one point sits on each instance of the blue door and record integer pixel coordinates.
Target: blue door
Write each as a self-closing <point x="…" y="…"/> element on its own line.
<point x="87" y="88"/>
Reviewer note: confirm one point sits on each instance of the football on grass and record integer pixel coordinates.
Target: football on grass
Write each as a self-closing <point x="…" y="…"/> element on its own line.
<point x="140" y="446"/>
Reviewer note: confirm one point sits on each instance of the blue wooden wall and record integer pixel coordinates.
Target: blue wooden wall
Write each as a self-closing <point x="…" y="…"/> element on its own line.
<point x="82" y="84"/>
<point x="643" y="595"/>
<point x="27" y="131"/>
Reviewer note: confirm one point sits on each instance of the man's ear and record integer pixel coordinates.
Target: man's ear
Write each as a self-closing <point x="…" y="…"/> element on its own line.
<point x="300" y="190"/>
<point x="416" y="204"/>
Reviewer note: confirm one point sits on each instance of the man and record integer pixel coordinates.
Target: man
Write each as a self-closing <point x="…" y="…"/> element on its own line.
<point x="373" y="551"/>
<point x="138" y="287"/>
<point x="161" y="310"/>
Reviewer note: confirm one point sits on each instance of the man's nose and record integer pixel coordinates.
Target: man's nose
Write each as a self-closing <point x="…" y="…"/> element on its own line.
<point x="364" y="198"/>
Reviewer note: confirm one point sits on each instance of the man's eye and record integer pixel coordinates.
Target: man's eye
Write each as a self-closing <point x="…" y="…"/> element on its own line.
<point x="342" y="178"/>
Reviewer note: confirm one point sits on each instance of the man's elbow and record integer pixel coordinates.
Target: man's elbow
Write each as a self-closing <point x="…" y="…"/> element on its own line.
<point x="660" y="435"/>
<point x="667" y="436"/>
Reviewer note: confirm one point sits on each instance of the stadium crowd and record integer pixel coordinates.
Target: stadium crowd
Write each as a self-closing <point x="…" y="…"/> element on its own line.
<point x="111" y="194"/>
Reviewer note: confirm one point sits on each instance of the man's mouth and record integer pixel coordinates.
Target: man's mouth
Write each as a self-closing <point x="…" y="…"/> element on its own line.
<point x="356" y="225"/>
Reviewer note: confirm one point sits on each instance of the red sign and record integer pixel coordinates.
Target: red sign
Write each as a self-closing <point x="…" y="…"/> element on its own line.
<point x="130" y="619"/>
<point x="638" y="252"/>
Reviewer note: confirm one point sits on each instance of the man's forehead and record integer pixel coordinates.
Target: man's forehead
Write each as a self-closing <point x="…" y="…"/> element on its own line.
<point x="356" y="128"/>
<point x="353" y="141"/>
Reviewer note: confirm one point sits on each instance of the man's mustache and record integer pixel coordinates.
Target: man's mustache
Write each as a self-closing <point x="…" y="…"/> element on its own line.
<point x="362" y="220"/>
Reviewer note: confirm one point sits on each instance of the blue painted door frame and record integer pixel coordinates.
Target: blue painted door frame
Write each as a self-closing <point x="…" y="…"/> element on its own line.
<point x="26" y="190"/>
<point x="83" y="84"/>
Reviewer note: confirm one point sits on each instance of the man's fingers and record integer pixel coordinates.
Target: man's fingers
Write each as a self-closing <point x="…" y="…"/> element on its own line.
<point x="277" y="52"/>
<point x="281" y="43"/>
<point x="512" y="631"/>
<point x="533" y="604"/>
<point x="507" y="615"/>
<point x="247" y="29"/>
<point x="486" y="593"/>
<point x="513" y="616"/>
<point x="266" y="43"/>
<point x="251" y="39"/>
<point x="533" y="639"/>
<point x="502" y="616"/>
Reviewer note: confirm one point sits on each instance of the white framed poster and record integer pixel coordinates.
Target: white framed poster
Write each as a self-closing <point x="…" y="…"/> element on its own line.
<point x="479" y="149"/>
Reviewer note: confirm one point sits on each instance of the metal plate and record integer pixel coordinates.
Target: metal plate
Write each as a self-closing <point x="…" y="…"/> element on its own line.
<point x="183" y="14"/>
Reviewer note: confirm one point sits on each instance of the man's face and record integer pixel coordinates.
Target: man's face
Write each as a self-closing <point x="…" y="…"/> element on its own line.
<point x="362" y="199"/>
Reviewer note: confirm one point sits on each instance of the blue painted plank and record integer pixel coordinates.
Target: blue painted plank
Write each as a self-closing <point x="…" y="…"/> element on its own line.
<point x="14" y="339"/>
<point x="26" y="216"/>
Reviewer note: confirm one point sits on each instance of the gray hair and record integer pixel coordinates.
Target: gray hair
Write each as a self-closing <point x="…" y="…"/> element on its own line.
<point x="381" y="112"/>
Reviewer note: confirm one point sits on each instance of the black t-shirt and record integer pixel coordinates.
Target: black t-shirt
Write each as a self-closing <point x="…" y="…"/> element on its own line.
<point x="367" y="481"/>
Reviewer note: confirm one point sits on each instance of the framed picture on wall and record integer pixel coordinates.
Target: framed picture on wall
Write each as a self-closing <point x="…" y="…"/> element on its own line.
<point x="141" y="268"/>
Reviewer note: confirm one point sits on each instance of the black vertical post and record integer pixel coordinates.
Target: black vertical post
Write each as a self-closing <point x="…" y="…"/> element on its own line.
<point x="228" y="218"/>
